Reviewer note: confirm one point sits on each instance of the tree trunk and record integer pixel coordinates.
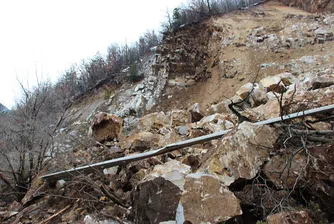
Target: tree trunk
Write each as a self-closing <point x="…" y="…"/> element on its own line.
<point x="208" y="2"/>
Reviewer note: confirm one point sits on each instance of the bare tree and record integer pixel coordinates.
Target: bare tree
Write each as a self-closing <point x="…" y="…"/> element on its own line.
<point x="26" y="133"/>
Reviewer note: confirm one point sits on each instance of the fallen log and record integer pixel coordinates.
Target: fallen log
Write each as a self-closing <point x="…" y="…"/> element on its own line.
<point x="67" y="174"/>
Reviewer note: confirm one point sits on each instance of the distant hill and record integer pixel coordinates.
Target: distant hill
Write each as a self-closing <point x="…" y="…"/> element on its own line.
<point x="3" y="108"/>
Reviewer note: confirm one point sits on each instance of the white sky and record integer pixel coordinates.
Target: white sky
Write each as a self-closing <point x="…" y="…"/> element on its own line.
<point x="48" y="36"/>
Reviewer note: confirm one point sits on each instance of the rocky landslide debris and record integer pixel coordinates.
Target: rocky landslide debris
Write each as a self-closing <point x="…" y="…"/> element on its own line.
<point x="281" y="173"/>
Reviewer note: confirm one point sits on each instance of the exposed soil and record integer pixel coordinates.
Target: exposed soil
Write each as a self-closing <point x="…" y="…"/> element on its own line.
<point x="238" y="26"/>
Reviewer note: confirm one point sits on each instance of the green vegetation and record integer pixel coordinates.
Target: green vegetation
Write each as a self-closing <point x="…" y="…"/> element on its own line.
<point x="134" y="76"/>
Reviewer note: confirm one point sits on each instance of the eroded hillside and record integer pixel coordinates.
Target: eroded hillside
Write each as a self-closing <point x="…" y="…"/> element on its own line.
<point x="223" y="73"/>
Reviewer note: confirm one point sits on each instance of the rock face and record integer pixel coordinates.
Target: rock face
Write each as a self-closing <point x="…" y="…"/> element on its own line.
<point x="310" y="5"/>
<point x="240" y="154"/>
<point x="206" y="200"/>
<point x="300" y="217"/>
<point x="106" y="127"/>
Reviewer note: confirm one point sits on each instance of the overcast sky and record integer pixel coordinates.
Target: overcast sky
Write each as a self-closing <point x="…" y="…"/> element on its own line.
<point x="48" y="36"/>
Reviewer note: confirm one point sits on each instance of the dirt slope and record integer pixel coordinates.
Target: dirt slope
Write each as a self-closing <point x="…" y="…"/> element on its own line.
<point x="232" y="44"/>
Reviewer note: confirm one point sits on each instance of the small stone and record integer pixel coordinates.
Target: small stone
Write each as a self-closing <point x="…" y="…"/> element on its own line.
<point x="196" y="112"/>
<point x="307" y="60"/>
<point x="110" y="170"/>
<point x="60" y="184"/>
<point x="190" y="82"/>
<point x="182" y="130"/>
<point x="154" y="122"/>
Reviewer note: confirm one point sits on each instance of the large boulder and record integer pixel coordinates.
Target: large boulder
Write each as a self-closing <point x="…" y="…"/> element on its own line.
<point x="106" y="127"/>
<point x="241" y="153"/>
<point x="171" y="193"/>
<point x="206" y="200"/>
<point x="173" y="171"/>
<point x="156" y="201"/>
<point x="157" y="196"/>
<point x="265" y="111"/>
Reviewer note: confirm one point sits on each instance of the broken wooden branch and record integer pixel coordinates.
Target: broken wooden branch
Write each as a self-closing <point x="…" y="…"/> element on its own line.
<point x="178" y="145"/>
<point x="55" y="215"/>
<point x="314" y="132"/>
<point x="113" y="197"/>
